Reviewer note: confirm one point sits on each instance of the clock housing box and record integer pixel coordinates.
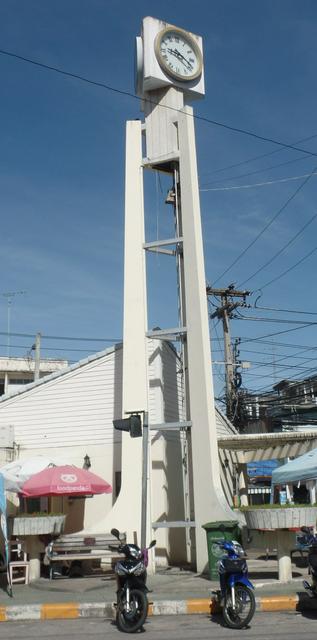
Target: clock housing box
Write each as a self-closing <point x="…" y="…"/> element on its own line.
<point x="150" y="74"/>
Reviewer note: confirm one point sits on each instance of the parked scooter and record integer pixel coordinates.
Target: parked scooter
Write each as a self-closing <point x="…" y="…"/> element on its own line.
<point x="236" y="595"/>
<point x="310" y="540"/>
<point x="132" y="603"/>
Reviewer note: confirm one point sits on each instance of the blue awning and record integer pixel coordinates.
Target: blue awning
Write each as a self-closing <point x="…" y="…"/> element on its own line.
<point x="302" y="468"/>
<point x="261" y="468"/>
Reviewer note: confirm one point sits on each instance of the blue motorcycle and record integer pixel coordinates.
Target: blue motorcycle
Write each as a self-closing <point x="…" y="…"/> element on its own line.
<point x="236" y="595"/>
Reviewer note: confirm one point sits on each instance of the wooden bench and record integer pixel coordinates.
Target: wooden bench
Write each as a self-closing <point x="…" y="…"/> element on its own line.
<point x="70" y="550"/>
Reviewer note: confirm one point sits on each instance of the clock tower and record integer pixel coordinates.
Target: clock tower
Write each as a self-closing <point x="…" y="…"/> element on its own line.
<point x="169" y="74"/>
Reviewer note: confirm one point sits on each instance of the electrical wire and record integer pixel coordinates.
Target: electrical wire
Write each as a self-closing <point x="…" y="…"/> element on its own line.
<point x="253" y="173"/>
<point x="280" y="344"/>
<point x="298" y="381"/>
<point x="254" y="158"/>
<point x="270" y="335"/>
<point x="283" y="366"/>
<point x="298" y="355"/>
<point x="129" y="94"/>
<point x="258" y="184"/>
<point x="307" y="313"/>
<point x="284" y="273"/>
<point x="276" y="215"/>
<point x="272" y="355"/>
<point x="24" y="346"/>
<point x="208" y="120"/>
<point x="31" y="335"/>
<point x="280" y="362"/>
<point x="286" y="357"/>
<point x="280" y="251"/>
<point x="278" y="320"/>
<point x="269" y="399"/>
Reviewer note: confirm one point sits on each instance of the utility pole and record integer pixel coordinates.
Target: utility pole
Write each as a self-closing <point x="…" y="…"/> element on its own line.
<point x="224" y="312"/>
<point x="37" y="357"/>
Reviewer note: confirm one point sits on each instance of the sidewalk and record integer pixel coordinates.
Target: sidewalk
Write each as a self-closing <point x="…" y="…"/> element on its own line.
<point x="172" y="591"/>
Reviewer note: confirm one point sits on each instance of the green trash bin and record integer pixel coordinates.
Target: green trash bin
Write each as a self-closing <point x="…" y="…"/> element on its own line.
<point x="216" y="531"/>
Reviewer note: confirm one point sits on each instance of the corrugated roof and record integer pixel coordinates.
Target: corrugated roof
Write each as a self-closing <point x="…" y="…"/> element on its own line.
<point x="250" y="442"/>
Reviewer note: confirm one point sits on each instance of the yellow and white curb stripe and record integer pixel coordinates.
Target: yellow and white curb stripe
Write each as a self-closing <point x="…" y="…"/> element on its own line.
<point x="277" y="603"/>
<point x="72" y="610"/>
<point x="56" y="610"/>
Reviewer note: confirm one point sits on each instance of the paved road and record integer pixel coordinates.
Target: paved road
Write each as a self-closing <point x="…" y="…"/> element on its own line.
<point x="265" y="626"/>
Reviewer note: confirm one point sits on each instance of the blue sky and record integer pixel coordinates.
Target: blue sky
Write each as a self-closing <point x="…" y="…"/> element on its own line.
<point x="62" y="171"/>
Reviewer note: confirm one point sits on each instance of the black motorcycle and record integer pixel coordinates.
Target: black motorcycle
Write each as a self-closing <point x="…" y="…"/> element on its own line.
<point x="132" y="603"/>
<point x="310" y="540"/>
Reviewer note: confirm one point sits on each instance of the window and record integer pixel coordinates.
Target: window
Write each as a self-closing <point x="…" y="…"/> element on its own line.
<point x="34" y="505"/>
<point x="20" y="380"/>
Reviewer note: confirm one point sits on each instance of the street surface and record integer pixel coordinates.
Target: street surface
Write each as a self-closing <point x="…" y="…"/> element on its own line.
<point x="265" y="626"/>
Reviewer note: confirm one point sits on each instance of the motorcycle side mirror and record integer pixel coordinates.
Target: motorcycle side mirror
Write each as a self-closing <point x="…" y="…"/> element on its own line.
<point x="152" y="544"/>
<point x="222" y="527"/>
<point x="115" y="533"/>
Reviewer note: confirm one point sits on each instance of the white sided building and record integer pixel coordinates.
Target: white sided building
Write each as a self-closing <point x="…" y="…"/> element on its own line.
<point x="69" y="415"/>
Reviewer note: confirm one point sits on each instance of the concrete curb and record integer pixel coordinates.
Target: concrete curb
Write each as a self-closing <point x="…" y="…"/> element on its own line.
<point x="72" y="610"/>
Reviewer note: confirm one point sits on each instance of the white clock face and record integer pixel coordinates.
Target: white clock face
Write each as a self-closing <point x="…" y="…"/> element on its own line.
<point x="178" y="54"/>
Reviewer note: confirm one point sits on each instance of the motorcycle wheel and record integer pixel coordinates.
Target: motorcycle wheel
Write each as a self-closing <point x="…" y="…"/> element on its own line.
<point x="241" y="614"/>
<point x="132" y="620"/>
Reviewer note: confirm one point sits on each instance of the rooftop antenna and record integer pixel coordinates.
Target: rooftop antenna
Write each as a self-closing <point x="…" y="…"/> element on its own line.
<point x="10" y="295"/>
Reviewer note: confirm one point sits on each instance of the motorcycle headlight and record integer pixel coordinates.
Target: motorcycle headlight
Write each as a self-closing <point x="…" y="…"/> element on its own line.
<point x="134" y="552"/>
<point x="238" y="549"/>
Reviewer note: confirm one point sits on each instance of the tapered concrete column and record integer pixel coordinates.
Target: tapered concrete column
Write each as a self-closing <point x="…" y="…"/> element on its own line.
<point x="209" y="501"/>
<point x="126" y="512"/>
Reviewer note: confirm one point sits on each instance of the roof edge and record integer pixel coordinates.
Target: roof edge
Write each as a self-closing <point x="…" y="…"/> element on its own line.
<point x="63" y="372"/>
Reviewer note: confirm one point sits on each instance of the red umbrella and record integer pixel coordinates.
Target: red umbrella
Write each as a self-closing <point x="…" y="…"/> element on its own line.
<point x="65" y="480"/>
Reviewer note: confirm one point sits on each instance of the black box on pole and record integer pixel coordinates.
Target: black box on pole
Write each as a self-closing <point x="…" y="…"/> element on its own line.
<point x="132" y="424"/>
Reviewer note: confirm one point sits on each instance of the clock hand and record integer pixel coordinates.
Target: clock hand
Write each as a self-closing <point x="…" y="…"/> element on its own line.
<point x="180" y="57"/>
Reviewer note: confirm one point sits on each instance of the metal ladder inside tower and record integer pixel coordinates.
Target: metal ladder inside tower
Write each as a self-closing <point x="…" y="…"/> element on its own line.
<point x="177" y="334"/>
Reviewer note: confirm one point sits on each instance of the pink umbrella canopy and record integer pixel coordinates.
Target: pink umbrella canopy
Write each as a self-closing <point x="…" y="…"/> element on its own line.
<point x="66" y="480"/>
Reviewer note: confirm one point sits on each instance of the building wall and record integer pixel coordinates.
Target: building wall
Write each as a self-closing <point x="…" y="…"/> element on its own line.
<point x="70" y="415"/>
